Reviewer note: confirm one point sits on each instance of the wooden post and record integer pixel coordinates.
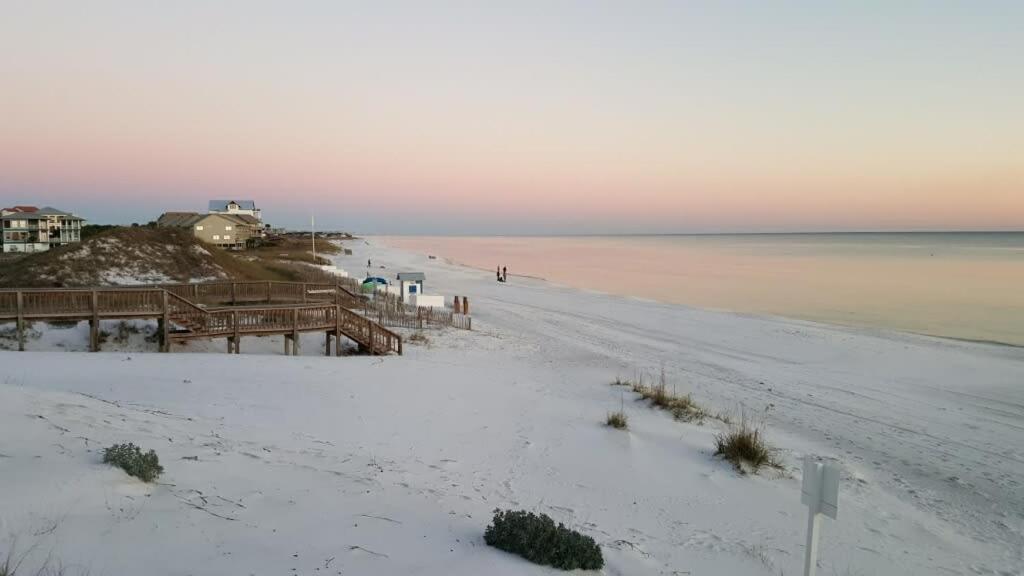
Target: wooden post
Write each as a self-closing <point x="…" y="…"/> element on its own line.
<point x="373" y="347"/>
<point x="327" y="343"/>
<point x="94" y="324"/>
<point x="304" y="291"/>
<point x="234" y="298"/>
<point x="287" y="347"/>
<point x="238" y="334"/>
<point x="231" y="344"/>
<point x="399" y="345"/>
<point x="295" y="332"/>
<point x="465" y="304"/>
<point x="21" y="322"/>
<point x="269" y="299"/>
<point x="195" y="293"/>
<point x="419" y="317"/>
<point x="337" y="330"/>
<point x="167" y="324"/>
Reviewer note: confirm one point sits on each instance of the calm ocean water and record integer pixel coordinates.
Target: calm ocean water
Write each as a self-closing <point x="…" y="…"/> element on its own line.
<point x="959" y="285"/>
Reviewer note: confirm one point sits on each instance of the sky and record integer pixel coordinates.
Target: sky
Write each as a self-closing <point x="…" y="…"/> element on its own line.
<point x="520" y="117"/>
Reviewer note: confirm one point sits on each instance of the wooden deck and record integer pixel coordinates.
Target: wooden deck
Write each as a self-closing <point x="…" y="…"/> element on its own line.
<point x="228" y="310"/>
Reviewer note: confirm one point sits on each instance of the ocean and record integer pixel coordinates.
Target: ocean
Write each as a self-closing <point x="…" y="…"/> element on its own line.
<point x="961" y="285"/>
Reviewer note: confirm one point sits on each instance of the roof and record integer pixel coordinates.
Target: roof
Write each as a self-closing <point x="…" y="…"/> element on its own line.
<point x="39" y="214"/>
<point x="180" y="219"/>
<point x="21" y="209"/>
<point x="189" y="219"/>
<point x="222" y="205"/>
<point x="412" y="276"/>
<point x="246" y="219"/>
<point x="240" y="219"/>
<point x="51" y="211"/>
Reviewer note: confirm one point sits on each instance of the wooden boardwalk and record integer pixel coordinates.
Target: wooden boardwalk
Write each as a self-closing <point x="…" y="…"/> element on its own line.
<point x="228" y="310"/>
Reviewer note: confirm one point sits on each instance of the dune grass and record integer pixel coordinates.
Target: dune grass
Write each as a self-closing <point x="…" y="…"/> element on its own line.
<point x="682" y="407"/>
<point x="617" y="420"/>
<point x="743" y="445"/>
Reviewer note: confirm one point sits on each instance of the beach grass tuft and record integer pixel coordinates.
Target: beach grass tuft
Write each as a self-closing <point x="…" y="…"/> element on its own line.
<point x="618" y="420"/>
<point x="743" y="445"/>
<point x="419" y="337"/>
<point x="683" y="407"/>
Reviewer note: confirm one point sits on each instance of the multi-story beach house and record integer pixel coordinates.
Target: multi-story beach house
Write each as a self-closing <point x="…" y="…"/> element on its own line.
<point x="235" y="208"/>
<point x="233" y="231"/>
<point x="31" y="229"/>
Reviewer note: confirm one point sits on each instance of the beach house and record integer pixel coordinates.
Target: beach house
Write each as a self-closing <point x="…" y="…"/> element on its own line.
<point x="232" y="231"/>
<point x="31" y="229"/>
<point x="236" y="208"/>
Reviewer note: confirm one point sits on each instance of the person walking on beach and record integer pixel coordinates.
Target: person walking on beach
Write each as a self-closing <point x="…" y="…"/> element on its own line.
<point x="504" y="274"/>
<point x="369" y="263"/>
<point x="499" y="273"/>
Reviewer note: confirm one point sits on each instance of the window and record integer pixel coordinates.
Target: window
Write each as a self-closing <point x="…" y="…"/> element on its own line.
<point x="226" y="237"/>
<point x="199" y="228"/>
<point x="216" y="237"/>
<point x="227" y="228"/>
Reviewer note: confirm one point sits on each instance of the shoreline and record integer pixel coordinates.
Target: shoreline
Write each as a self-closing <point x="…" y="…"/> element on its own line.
<point x="824" y="322"/>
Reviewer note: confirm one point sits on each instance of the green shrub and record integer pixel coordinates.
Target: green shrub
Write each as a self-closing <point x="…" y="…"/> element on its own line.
<point x="130" y="458"/>
<point x="540" y="541"/>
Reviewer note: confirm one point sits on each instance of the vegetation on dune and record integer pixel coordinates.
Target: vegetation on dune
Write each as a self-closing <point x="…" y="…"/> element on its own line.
<point x="419" y="337"/>
<point x="117" y="255"/>
<point x="110" y="255"/>
<point x="131" y="459"/>
<point x="682" y="407"/>
<point x="12" y="563"/>
<point x="538" y="539"/>
<point x="744" y="446"/>
<point x="618" y="420"/>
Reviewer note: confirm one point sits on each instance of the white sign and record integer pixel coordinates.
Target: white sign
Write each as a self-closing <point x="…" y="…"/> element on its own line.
<point x="820" y="493"/>
<point x="821" y="487"/>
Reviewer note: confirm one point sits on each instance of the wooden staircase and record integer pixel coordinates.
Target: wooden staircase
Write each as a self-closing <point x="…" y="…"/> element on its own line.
<point x="187" y="320"/>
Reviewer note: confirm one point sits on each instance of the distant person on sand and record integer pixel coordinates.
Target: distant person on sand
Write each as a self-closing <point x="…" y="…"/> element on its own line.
<point x="499" y="273"/>
<point x="504" y="274"/>
<point x="369" y="263"/>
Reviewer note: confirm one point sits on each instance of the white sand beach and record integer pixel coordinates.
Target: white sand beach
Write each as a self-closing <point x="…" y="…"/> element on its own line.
<point x="393" y="465"/>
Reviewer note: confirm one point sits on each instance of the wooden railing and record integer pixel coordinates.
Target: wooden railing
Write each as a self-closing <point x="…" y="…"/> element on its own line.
<point x="182" y="318"/>
<point x="386" y="309"/>
<point x="252" y="292"/>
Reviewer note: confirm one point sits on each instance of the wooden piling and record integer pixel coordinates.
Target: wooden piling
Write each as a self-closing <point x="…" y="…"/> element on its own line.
<point x="94" y="324"/>
<point x="337" y="330"/>
<point x="21" y="321"/>
<point x="166" y="331"/>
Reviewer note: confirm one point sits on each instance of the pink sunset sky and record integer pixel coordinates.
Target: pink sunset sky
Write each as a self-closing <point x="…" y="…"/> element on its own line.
<point x="520" y="117"/>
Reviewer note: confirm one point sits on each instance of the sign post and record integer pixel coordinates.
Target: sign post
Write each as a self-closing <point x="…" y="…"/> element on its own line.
<point x="820" y="493"/>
